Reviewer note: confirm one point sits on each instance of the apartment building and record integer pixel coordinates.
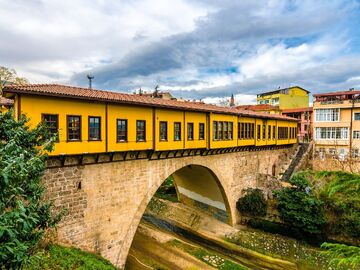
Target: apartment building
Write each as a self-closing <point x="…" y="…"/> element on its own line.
<point x="285" y="98"/>
<point x="305" y="125"/>
<point x="337" y="124"/>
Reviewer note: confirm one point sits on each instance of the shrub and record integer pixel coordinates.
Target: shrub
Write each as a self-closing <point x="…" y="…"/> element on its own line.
<point x="253" y="203"/>
<point x="341" y="255"/>
<point x="24" y="216"/>
<point x="299" y="208"/>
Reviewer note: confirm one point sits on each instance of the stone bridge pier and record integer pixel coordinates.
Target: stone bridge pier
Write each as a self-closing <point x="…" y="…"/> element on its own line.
<point x="105" y="201"/>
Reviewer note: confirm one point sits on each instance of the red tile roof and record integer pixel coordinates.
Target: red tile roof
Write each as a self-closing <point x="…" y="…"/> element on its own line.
<point x="295" y="110"/>
<point x="6" y="101"/>
<point x="124" y="98"/>
<point x="257" y="107"/>
<point x="339" y="93"/>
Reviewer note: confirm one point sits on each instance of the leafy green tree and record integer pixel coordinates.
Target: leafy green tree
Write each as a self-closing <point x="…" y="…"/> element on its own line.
<point x="299" y="207"/>
<point x="252" y="203"/>
<point x="10" y="76"/>
<point x="24" y="215"/>
<point x="342" y="255"/>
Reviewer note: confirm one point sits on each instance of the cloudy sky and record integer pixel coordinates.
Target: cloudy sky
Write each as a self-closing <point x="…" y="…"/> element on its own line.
<point x="203" y="49"/>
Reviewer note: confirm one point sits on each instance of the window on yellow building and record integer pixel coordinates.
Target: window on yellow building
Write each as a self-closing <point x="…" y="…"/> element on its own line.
<point x="258" y="132"/>
<point x="74" y="128"/>
<point x="215" y="131"/>
<point x="163" y="131"/>
<point x="274" y="133"/>
<point x="264" y="132"/>
<point x="94" y="124"/>
<point x="177" y="131"/>
<point x="220" y="133"/>
<point x="230" y="130"/>
<point x="190" y="131"/>
<point x="121" y="128"/>
<point x="201" y="131"/>
<point x="140" y="130"/>
<point x="94" y="128"/>
<point x="225" y="130"/>
<point x="52" y="122"/>
<point x="269" y="132"/>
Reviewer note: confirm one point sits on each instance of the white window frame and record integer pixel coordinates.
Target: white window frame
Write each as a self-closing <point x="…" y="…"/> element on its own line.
<point x="331" y="133"/>
<point x="357" y="136"/>
<point x="326" y="115"/>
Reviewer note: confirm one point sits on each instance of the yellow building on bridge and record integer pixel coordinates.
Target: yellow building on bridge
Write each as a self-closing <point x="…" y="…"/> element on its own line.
<point x="95" y="121"/>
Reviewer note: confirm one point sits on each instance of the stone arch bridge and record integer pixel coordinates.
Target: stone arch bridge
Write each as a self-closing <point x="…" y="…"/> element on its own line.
<point x="105" y="195"/>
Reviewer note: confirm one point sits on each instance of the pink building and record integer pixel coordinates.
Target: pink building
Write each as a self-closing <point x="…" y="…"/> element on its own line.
<point x="306" y="123"/>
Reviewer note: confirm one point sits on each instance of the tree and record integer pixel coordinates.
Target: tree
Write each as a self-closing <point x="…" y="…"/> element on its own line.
<point x="24" y="215"/>
<point x="9" y="76"/>
<point x="300" y="208"/>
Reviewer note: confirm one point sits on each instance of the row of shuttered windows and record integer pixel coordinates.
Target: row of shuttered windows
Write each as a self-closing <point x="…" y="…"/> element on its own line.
<point x="222" y="130"/>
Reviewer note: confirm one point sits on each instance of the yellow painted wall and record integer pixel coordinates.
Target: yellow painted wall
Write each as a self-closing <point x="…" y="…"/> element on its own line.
<point x="170" y="116"/>
<point x="131" y="114"/>
<point x="296" y="98"/>
<point x="196" y="118"/>
<point x="270" y="124"/>
<point x="246" y="142"/>
<point x="223" y="143"/>
<point x="35" y="106"/>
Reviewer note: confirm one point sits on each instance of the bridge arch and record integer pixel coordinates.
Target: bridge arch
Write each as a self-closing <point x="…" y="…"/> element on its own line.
<point x="194" y="183"/>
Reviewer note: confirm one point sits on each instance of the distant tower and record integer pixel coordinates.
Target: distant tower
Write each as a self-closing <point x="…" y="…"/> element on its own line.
<point x="232" y="101"/>
<point x="90" y="78"/>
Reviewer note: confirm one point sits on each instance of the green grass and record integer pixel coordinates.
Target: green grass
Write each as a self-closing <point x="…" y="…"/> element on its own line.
<point x="210" y="258"/>
<point x="60" y="258"/>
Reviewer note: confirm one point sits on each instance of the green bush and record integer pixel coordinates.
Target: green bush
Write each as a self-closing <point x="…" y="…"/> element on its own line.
<point x="341" y="196"/>
<point x="253" y="203"/>
<point x="347" y="257"/>
<point x="300" y="208"/>
<point x="24" y="216"/>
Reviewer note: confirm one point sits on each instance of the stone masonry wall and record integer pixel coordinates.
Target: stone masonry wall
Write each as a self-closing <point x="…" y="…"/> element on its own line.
<point x="105" y="202"/>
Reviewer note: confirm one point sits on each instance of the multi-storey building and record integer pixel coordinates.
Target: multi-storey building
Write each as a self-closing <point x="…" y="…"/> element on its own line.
<point x="337" y="123"/>
<point x="305" y="125"/>
<point x="286" y="98"/>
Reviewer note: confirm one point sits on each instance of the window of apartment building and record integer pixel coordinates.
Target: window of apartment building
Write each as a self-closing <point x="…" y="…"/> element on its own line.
<point x="52" y="123"/>
<point x="121" y="130"/>
<point x="177" y="131"/>
<point x="163" y="131"/>
<point x="74" y="128"/>
<point x="94" y="128"/>
<point x="356" y="134"/>
<point x="201" y="131"/>
<point x="275" y="101"/>
<point x="190" y="131"/>
<point x="333" y="133"/>
<point x="140" y="130"/>
<point x="258" y="132"/>
<point x="215" y="131"/>
<point x="265" y="101"/>
<point x="356" y="116"/>
<point x="327" y="115"/>
<point x="355" y="152"/>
